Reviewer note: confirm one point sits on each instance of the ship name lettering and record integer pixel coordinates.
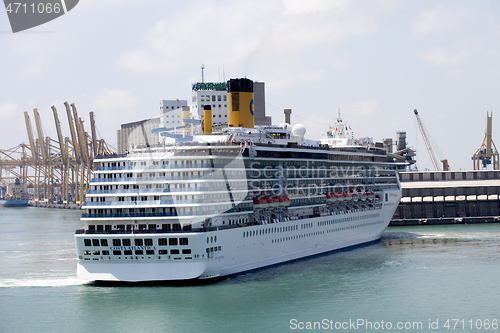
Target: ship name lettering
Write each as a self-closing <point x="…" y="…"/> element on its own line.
<point x="133" y="248"/>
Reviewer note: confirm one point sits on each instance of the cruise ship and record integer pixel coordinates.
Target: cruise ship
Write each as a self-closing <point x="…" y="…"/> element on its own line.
<point x="205" y="205"/>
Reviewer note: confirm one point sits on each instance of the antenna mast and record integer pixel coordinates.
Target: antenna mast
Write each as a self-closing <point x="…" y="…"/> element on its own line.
<point x="202" y="76"/>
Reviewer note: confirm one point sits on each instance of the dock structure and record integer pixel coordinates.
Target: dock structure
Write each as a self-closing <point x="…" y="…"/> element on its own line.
<point x="445" y="197"/>
<point x="57" y="171"/>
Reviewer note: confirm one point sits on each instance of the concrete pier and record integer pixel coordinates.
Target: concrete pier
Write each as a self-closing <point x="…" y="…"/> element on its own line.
<point x="448" y="197"/>
<point x="53" y="205"/>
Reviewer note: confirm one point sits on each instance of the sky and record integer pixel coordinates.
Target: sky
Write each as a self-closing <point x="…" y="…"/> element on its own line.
<point x="376" y="60"/>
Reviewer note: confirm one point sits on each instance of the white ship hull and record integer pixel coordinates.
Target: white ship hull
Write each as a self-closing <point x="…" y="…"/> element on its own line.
<point x="230" y="251"/>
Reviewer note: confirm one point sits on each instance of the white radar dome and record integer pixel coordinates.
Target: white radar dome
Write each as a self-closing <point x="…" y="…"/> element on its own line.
<point x="299" y="129"/>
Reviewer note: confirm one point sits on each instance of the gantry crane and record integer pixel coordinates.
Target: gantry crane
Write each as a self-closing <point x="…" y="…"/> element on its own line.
<point x="46" y="164"/>
<point x="487" y="152"/>
<point x="446" y="166"/>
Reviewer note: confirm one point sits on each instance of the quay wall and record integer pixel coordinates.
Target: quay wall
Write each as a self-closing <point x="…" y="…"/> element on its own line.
<point x="448" y="197"/>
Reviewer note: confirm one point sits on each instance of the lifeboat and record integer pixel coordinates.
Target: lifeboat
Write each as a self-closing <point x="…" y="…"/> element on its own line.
<point x="369" y="195"/>
<point x="284" y="201"/>
<point x="330" y="197"/>
<point x="274" y="202"/>
<point x="351" y="195"/>
<point x="260" y="203"/>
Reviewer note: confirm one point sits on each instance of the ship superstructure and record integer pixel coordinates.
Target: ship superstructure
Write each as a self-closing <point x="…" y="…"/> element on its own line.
<point x="224" y="203"/>
<point x="16" y="195"/>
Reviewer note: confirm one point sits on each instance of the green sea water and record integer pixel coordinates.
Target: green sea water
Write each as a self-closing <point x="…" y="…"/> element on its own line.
<point x="417" y="279"/>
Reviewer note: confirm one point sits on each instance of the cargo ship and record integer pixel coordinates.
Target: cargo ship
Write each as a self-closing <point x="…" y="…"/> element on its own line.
<point x="16" y="195"/>
<point x="205" y="205"/>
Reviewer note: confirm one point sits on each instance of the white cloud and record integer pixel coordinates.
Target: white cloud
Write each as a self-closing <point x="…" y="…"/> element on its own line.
<point x="280" y="78"/>
<point x="441" y="56"/>
<point x="8" y="110"/>
<point x="115" y="99"/>
<point x="435" y="20"/>
<point x="300" y="7"/>
<point x="364" y="108"/>
<point x="245" y="32"/>
<point x="107" y="3"/>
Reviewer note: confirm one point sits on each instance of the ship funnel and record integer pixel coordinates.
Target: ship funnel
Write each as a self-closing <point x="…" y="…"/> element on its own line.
<point x="185" y="115"/>
<point x="240" y="103"/>
<point x="401" y="139"/>
<point x="207" y="120"/>
<point x="288" y="112"/>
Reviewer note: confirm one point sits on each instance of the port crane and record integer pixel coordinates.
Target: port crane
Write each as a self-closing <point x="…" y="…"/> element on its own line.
<point x="487" y="152"/>
<point x="446" y="166"/>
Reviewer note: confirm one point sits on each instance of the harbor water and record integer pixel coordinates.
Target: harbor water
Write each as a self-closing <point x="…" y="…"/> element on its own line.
<point x="417" y="279"/>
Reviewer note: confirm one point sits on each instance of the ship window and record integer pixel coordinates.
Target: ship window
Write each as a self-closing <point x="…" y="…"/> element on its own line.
<point x="163" y="252"/>
<point x="139" y="252"/>
<point x="126" y="242"/>
<point x="87" y="242"/>
<point x="150" y="252"/>
<point x="104" y="242"/>
<point x="172" y="241"/>
<point x="183" y="241"/>
<point x="92" y="227"/>
<point x="148" y="242"/>
<point x="142" y="226"/>
<point x="96" y="252"/>
<point x="95" y="242"/>
<point x="120" y="227"/>
<point x="107" y="227"/>
<point x="138" y="242"/>
<point x="86" y="252"/>
<point x="100" y="227"/>
<point x="186" y="251"/>
<point x="162" y="241"/>
<point x="117" y="253"/>
<point x="174" y="251"/>
<point x="176" y="226"/>
<point x="117" y="242"/>
<point x="127" y="252"/>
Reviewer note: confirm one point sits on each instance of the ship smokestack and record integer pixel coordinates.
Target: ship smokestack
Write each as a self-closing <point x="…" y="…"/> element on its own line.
<point x="185" y="115"/>
<point x="401" y="139"/>
<point x="240" y="103"/>
<point x="207" y="119"/>
<point x="288" y="112"/>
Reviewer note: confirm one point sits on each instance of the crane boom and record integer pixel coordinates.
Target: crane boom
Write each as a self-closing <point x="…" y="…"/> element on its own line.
<point x="41" y="141"/>
<point x="34" y="154"/>
<point x="59" y="134"/>
<point x="427" y="143"/>
<point x="92" y="128"/>
<point x="74" y="139"/>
